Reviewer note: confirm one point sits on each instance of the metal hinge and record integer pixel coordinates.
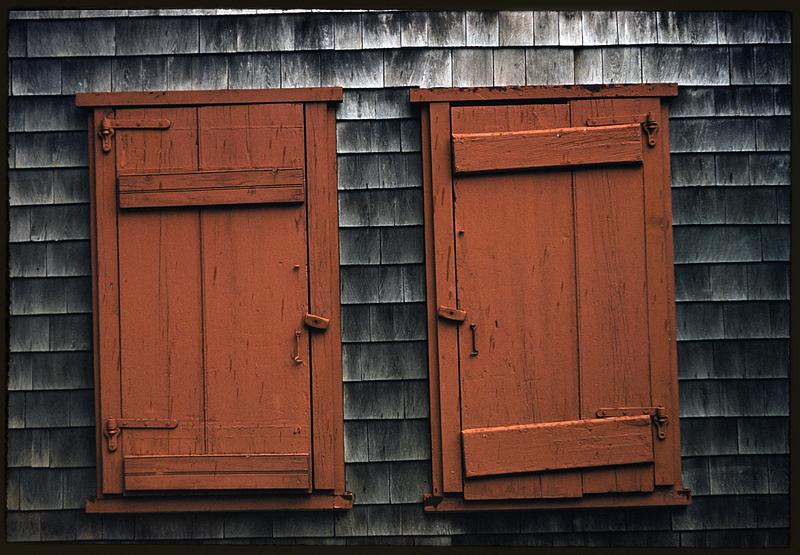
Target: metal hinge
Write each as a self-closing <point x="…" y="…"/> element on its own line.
<point x="114" y="426"/>
<point x="108" y="125"/>
<point x="659" y="415"/>
<point x="453" y="314"/>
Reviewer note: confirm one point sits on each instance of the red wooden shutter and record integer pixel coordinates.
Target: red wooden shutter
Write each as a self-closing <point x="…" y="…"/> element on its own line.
<point x="551" y="244"/>
<point x="202" y="218"/>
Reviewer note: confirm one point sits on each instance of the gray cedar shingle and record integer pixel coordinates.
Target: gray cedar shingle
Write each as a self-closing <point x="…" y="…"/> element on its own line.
<point x="28" y="448"/>
<point x="417" y="522"/>
<point x="375" y="104"/>
<point x="17" y="47"/>
<point x="744" y="101"/>
<point x="776" y="392"/>
<point x="40" y="489"/>
<point x="712" y="135"/>
<point x="48" y="113"/>
<point x="778" y="26"/>
<point x="163" y="527"/>
<point x="35" y="77"/>
<point x="694" y="101"/>
<point x="157" y="36"/>
<point x="401" y="245"/>
<point x="637" y="27"/>
<point x="619" y="520"/>
<point x="72" y="447"/>
<point x="768" y="281"/>
<point x="508" y="66"/>
<point x="398" y="440"/>
<point x="415" y="399"/>
<point x="93" y="37"/>
<point x="67" y="258"/>
<point x="27" y="187"/>
<point x="372" y="284"/>
<point x="81" y="408"/>
<point x="23" y="527"/>
<point x="708" y="436"/>
<point x="570" y="32"/>
<point x="687" y="27"/>
<point x="763" y="435"/>
<point x="313" y="31"/>
<point x="772" y="511"/>
<point x="385" y="520"/>
<point x="318" y="524"/>
<point x="410" y="135"/>
<point x="29" y="333"/>
<point x="413" y="283"/>
<point x="742" y="65"/>
<point x="423" y="67"/>
<point x="695" y="359"/>
<point x="37" y="296"/>
<point x="46" y="409"/>
<point x="359" y="246"/>
<point x="743" y="398"/>
<point x="300" y="69"/>
<point x="741" y="27"/>
<point x="264" y="33"/>
<point x="692" y="282"/>
<point x="52" y="149"/>
<point x="700" y="398"/>
<point x="126" y="74"/>
<point x="409" y="480"/>
<point x="118" y="527"/>
<point x="217" y="34"/>
<point x="728" y="282"/>
<point x="755" y="319"/>
<point x="736" y="538"/>
<point x="368" y="136"/>
<point x="20" y="371"/>
<point x="357" y="104"/>
<point x="356" y="441"/>
<point x="545" y="28"/>
<point x="354" y="208"/>
<point x="716" y="512"/>
<point x="773" y="134"/>
<point x="773" y="64"/>
<point x="368" y="482"/>
<point x="622" y="65"/>
<point x="698" y="205"/>
<point x="414" y="27"/>
<point x="355" y="323"/>
<point x="750" y="205"/>
<point x="778" y="466"/>
<point x="446" y="28"/>
<point x="352" y="69"/>
<point x="515" y="28"/>
<point x="71" y="332"/>
<point x="692" y="169"/>
<point x="783" y="201"/>
<point x="370" y="400"/>
<point x="553" y="522"/>
<point x="732" y="169"/>
<point x="68" y="370"/>
<point x="549" y="66"/>
<point x="380" y="30"/>
<point x="783" y="100"/>
<point x="729" y="359"/>
<point x="769" y="169"/>
<point x="393" y="103"/>
<point x="690" y="65"/>
<point x="384" y="361"/>
<point x="482" y="28"/>
<point x="347" y="31"/>
<point x="588" y="65"/>
<point x="599" y="28"/>
<point x="59" y="222"/>
<point x="694" y="475"/>
<point x="247" y="525"/>
<point x="353" y="522"/>
<point x="766" y="358"/>
<point x="395" y="207"/>
<point x="194" y="72"/>
<point x="397" y="322"/>
<point x="254" y="71"/>
<point x="16" y="410"/>
<point x="472" y="67"/>
<point x="699" y="321"/>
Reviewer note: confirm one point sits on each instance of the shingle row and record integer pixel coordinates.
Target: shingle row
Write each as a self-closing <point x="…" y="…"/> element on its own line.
<point x="732" y="282"/>
<point x="739" y="358"/>
<point x="51" y="409"/>
<point x="736" y="474"/>
<point x="730" y="205"/>
<point x="735" y="397"/>
<point x="320" y="31"/>
<point x="727" y="243"/>
<point x="732" y="320"/>
<point x="387" y="440"/>
<point x="382" y="284"/>
<point x="52" y="259"/>
<point x="754" y="435"/>
<point x="689" y="170"/>
<point x="738" y="100"/>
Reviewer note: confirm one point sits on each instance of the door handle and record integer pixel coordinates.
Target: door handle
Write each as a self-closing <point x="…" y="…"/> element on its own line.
<point x="296" y="356"/>
<point x="473" y="328"/>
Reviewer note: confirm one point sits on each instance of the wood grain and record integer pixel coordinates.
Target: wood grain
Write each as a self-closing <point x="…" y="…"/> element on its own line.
<point x="211" y="196"/>
<point x="243" y="96"/>
<point x="535" y="92"/>
<point x="557" y="445"/>
<point x="561" y="147"/>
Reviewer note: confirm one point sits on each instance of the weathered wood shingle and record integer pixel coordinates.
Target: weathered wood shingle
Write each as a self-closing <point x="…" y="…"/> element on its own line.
<point x="94" y="37"/>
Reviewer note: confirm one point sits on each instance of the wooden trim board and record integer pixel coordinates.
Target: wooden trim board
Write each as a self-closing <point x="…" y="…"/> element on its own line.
<point x="536" y="92"/>
<point x="196" y="98"/>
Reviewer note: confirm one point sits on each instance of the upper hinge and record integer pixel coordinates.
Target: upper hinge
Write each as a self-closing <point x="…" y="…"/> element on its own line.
<point x="648" y="121"/>
<point x="114" y="426"/>
<point x="108" y="125"/>
<point x="659" y="415"/>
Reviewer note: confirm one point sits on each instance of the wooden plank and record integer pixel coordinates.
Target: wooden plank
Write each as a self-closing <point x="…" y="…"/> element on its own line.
<point x="157" y="150"/>
<point x="563" y="147"/>
<point x="444" y="264"/>
<point x="207" y="179"/>
<point x="219" y="503"/>
<point x="243" y="96"/>
<point x="507" y="384"/>
<point x="558" y="445"/>
<point x="475" y="94"/>
<point x="324" y="291"/>
<point x="211" y="196"/>
<point x="432" y="318"/>
<point x="658" y="498"/>
<point x="106" y="316"/>
<point x="209" y="472"/>
<point x="613" y="301"/>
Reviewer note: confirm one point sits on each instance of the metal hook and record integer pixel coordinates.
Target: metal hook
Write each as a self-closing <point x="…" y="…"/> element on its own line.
<point x="472" y="328"/>
<point x="296" y="356"/>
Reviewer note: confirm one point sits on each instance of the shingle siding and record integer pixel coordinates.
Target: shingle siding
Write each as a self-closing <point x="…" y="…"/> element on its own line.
<point x="730" y="163"/>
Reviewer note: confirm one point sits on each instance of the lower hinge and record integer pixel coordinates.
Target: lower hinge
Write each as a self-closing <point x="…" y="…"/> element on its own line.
<point x="659" y="415"/>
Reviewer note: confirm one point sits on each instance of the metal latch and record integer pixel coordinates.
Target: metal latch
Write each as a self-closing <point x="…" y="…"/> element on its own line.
<point x="648" y="121"/>
<point x="114" y="426"/>
<point x="659" y="415"/>
<point x="316" y="322"/>
<point x="107" y="126"/>
<point x="454" y="314"/>
<point x="650" y="127"/>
